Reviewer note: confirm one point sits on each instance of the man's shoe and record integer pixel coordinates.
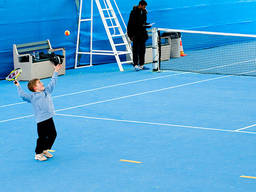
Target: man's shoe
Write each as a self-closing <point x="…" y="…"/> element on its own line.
<point x="40" y="157"/>
<point x="142" y="67"/>
<point x="136" y="67"/>
<point x="47" y="154"/>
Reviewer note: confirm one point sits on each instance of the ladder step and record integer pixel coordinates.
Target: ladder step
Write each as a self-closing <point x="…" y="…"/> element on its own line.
<point x="79" y="52"/>
<point x="121" y="44"/>
<point x="85" y="20"/>
<point x="119" y="35"/>
<point x="109" y="17"/>
<point x="111" y="27"/>
<point x="107" y="9"/>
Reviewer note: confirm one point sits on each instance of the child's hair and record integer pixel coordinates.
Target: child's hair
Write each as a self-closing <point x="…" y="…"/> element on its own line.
<point x="143" y="2"/>
<point x="32" y="84"/>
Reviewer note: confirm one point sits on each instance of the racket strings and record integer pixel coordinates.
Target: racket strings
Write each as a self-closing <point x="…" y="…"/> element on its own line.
<point x="14" y="74"/>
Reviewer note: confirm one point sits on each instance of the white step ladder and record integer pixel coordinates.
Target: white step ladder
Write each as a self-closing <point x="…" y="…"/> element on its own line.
<point x="117" y="38"/>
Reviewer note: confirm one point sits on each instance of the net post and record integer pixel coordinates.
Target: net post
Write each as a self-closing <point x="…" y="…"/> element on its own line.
<point x="155" y="49"/>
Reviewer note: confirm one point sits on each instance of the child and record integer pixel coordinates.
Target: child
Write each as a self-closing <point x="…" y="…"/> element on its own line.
<point x="42" y="103"/>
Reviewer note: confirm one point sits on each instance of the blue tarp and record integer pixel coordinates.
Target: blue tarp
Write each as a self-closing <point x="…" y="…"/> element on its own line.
<point x="33" y="20"/>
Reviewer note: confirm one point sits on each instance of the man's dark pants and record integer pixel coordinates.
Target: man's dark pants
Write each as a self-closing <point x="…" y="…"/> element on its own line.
<point x="138" y="50"/>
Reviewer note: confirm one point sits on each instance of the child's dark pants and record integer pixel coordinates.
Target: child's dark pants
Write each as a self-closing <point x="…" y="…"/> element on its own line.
<point x="46" y="135"/>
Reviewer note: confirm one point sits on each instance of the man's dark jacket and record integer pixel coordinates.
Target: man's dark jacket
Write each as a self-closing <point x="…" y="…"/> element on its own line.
<point x="136" y="28"/>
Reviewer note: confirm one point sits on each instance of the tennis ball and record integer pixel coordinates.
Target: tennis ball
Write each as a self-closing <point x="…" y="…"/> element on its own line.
<point x="67" y="32"/>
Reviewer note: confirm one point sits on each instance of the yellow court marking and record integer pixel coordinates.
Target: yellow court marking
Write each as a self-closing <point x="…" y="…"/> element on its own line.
<point x="130" y="161"/>
<point x="51" y="150"/>
<point x="249" y="177"/>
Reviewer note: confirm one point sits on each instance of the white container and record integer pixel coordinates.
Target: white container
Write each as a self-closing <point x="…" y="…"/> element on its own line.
<point x="175" y="47"/>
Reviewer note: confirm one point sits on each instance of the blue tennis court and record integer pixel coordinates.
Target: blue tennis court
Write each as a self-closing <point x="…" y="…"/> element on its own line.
<point x="135" y="131"/>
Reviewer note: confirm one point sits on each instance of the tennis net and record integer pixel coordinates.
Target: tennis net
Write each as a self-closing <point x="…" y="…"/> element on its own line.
<point x="209" y="52"/>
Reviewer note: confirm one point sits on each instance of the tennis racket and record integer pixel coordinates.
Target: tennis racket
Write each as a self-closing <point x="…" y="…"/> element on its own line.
<point x="14" y="75"/>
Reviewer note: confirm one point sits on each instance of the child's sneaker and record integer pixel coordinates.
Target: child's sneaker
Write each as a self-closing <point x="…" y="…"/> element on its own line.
<point x="40" y="157"/>
<point x="47" y="154"/>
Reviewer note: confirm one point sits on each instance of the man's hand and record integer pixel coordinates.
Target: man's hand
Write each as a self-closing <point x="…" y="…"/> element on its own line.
<point x="58" y="67"/>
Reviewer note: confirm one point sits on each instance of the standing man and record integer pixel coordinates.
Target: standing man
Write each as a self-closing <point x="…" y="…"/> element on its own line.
<point x="137" y="33"/>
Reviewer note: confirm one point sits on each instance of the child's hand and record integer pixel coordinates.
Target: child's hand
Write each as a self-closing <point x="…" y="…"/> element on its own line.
<point x="58" y="67"/>
<point x="16" y="83"/>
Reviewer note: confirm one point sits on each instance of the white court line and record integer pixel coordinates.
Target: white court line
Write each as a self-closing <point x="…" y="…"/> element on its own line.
<point x="104" y="87"/>
<point x="121" y="84"/>
<point x="143" y="93"/>
<point x="12" y="104"/>
<point x="127" y="96"/>
<point x="146" y="92"/>
<point x="132" y="82"/>
<point x="154" y="123"/>
<point x="13" y="119"/>
<point x="243" y="128"/>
